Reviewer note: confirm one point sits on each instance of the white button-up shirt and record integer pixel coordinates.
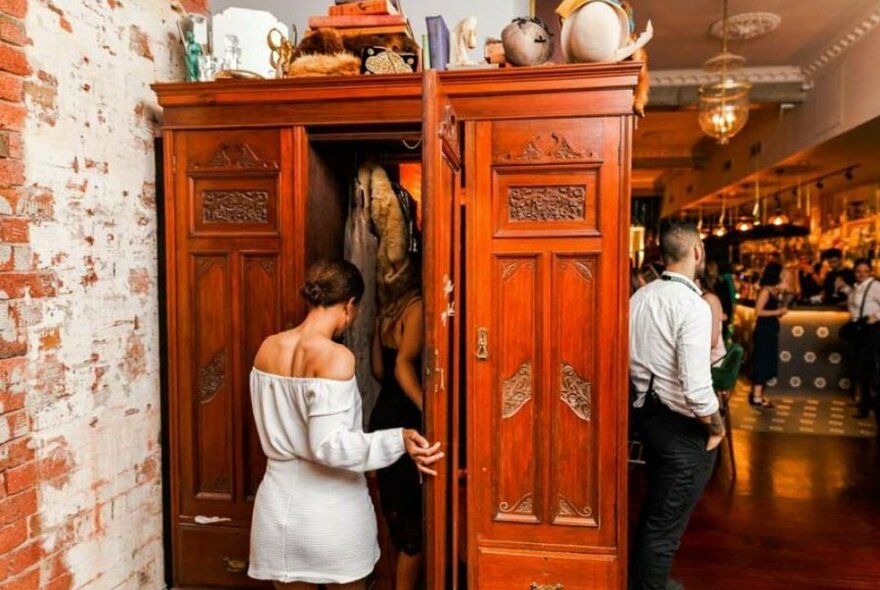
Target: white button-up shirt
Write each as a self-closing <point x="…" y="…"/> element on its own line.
<point x="670" y="332"/>
<point x="872" y="302"/>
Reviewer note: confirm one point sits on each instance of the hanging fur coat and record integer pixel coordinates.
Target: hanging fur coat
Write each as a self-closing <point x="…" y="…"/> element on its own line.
<point x="398" y="279"/>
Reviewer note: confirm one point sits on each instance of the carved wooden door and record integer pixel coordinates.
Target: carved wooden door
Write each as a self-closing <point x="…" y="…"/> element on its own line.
<point x="546" y="332"/>
<point x="441" y="178"/>
<point x="229" y="226"/>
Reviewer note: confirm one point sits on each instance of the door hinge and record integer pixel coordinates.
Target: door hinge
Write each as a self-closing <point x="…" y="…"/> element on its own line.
<point x="174" y="163"/>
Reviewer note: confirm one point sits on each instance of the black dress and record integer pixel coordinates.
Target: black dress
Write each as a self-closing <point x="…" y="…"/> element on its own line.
<point x="400" y="491"/>
<point x="765" y="361"/>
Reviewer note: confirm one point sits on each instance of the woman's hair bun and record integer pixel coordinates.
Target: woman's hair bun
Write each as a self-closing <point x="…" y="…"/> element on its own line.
<point x="331" y="282"/>
<point x="313" y="293"/>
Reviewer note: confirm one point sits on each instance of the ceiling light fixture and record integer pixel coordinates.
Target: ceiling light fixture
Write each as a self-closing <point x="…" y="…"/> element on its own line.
<point x="724" y="102"/>
<point x="778" y="218"/>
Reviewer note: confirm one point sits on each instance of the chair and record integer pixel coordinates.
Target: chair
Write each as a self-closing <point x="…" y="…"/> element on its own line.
<point x="725" y="373"/>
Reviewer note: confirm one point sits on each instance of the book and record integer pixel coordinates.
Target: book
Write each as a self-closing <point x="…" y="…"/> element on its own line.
<point x="355" y="31"/>
<point x="438" y="42"/>
<point x="396" y="3"/>
<point x="349" y="22"/>
<point x="364" y="7"/>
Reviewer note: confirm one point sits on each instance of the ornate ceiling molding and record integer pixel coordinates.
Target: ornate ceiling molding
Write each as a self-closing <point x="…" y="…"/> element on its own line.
<point x="843" y="43"/>
<point x="755" y="75"/>
<point x="747" y="25"/>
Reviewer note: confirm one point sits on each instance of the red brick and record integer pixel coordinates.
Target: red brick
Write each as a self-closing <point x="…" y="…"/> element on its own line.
<point x="15" y="453"/>
<point x="12" y="31"/>
<point x="10" y="145"/>
<point x="14" y="230"/>
<point x="18" y="423"/>
<point x="196" y="6"/>
<point x="21" y="478"/>
<point x="11" y="172"/>
<point x="16" y="284"/>
<point x="12" y="115"/>
<point x="13" y="60"/>
<point x="16" y="8"/>
<point x="11" y="401"/>
<point x="13" y="535"/>
<point x="11" y="87"/>
<point x="62" y="582"/>
<point x="28" y="581"/>
<point x="54" y="566"/>
<point x="18" y="507"/>
<point x="23" y="559"/>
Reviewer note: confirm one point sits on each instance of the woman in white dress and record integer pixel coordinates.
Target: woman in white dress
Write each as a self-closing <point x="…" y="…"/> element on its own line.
<point x="314" y="523"/>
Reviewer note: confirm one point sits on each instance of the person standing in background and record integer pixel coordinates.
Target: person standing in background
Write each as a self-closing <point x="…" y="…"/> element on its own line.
<point x="864" y="309"/>
<point x="831" y="293"/>
<point x="765" y="355"/>
<point x="675" y="410"/>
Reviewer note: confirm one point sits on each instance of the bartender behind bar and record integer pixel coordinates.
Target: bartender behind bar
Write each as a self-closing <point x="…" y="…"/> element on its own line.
<point x="838" y="279"/>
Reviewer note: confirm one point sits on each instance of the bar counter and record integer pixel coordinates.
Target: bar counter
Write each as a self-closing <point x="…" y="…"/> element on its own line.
<point x="812" y="357"/>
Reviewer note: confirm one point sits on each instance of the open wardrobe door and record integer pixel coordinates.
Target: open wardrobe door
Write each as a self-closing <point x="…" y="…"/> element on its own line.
<point x="441" y="173"/>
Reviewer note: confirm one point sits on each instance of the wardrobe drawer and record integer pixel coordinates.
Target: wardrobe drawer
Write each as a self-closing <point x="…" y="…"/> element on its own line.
<point x="213" y="556"/>
<point x="503" y="569"/>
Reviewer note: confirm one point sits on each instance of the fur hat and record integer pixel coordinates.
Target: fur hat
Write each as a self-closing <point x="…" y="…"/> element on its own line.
<point x="341" y="64"/>
<point x="323" y="54"/>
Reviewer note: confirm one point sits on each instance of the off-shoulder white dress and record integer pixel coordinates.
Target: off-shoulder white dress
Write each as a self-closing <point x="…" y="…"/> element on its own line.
<point x="313" y="518"/>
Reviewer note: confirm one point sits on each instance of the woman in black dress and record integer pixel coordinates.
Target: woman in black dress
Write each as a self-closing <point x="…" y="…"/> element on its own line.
<point x="396" y="359"/>
<point x="765" y="352"/>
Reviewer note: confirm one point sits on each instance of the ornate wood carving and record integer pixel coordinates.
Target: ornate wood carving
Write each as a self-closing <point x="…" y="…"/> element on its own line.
<point x="521" y="506"/>
<point x="567" y="508"/>
<point x="516" y="391"/>
<point x="212" y="377"/>
<point x="449" y="129"/>
<point x="268" y="265"/>
<point x="584" y="268"/>
<point x="537" y="586"/>
<point x="556" y="148"/>
<point x="576" y="392"/>
<point x="546" y="203"/>
<point x="235" y="207"/>
<point x="237" y="156"/>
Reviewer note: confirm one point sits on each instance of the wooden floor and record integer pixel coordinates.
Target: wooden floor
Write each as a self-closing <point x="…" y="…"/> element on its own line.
<point x="804" y="513"/>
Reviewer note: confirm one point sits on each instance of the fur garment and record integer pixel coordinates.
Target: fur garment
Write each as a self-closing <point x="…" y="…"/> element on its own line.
<point x="341" y="64"/>
<point x="320" y="42"/>
<point x="397" y="275"/>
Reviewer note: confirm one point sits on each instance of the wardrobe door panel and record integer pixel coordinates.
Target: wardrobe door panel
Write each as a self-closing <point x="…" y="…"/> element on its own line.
<point x="544" y="414"/>
<point x="233" y="225"/>
<point x="441" y="165"/>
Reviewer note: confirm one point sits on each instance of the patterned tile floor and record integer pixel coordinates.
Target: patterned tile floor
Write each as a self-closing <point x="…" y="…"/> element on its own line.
<point x="826" y="414"/>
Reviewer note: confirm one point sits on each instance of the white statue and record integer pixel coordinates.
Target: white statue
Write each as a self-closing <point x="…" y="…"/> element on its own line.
<point x="464" y="39"/>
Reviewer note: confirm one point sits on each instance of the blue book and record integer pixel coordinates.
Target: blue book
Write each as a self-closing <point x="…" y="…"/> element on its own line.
<point x="438" y="42"/>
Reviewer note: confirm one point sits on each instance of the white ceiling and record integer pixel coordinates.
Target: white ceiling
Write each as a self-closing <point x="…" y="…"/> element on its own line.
<point x="682" y="39"/>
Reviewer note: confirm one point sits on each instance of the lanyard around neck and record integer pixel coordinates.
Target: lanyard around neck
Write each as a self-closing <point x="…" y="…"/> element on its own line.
<point x="680" y="281"/>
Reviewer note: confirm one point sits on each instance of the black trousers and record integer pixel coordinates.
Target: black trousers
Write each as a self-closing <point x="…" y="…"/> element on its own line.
<point x="868" y="372"/>
<point x="678" y="469"/>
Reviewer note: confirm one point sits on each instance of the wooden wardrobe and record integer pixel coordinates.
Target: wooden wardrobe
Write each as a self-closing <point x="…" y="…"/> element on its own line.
<point x="525" y="197"/>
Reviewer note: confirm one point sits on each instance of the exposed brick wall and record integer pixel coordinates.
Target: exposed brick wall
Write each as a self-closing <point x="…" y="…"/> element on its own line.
<point x="80" y="477"/>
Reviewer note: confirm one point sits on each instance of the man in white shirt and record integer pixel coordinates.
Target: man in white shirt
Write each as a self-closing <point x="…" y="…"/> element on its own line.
<point x="864" y="307"/>
<point x="676" y="410"/>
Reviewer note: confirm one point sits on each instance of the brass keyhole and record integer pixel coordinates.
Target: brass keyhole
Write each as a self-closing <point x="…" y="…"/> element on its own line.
<point x="482" y="344"/>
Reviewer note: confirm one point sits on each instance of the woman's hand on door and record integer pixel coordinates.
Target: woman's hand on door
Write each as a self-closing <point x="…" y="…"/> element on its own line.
<point x="421" y="451"/>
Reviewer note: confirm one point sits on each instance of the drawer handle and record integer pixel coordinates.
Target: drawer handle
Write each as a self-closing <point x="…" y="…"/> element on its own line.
<point x="235" y="566"/>
<point x="537" y="586"/>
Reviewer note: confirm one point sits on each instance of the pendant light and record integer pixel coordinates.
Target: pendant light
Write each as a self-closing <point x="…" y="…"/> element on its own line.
<point x="720" y="231"/>
<point x="724" y="99"/>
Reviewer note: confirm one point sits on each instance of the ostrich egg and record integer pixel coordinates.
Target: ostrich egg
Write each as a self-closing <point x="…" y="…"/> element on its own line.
<point x="595" y="32"/>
